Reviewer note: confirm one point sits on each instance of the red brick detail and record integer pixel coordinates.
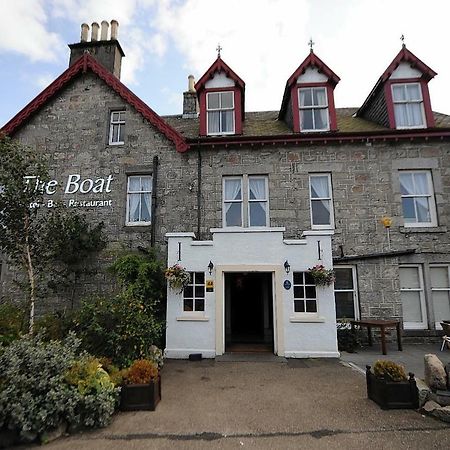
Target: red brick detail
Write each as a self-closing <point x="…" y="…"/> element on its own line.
<point x="84" y="63"/>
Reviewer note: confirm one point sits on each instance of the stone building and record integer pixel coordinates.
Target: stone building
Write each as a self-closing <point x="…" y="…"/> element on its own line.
<point x="248" y="201"/>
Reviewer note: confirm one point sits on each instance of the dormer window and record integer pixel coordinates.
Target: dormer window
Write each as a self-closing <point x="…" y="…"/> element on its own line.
<point x="220" y="112"/>
<point x="408" y="105"/>
<point x="313" y="105"/>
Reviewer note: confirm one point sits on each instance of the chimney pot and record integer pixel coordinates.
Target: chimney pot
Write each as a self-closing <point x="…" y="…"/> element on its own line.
<point x="114" y="29"/>
<point x="84" y="32"/>
<point x="104" y="34"/>
<point x="191" y="83"/>
<point x="94" y="31"/>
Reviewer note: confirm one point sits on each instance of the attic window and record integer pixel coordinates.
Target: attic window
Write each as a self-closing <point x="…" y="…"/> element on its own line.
<point x="220" y="112"/>
<point x="117" y="128"/>
<point x="313" y="103"/>
<point x="408" y="105"/>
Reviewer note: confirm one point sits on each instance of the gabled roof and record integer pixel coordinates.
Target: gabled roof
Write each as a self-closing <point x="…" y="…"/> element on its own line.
<point x="403" y="56"/>
<point x="219" y="65"/>
<point x="82" y="65"/>
<point x="312" y="60"/>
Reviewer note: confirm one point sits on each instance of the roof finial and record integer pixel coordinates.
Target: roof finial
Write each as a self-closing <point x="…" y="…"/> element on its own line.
<point x="402" y="38"/>
<point x="311" y="45"/>
<point x="219" y="48"/>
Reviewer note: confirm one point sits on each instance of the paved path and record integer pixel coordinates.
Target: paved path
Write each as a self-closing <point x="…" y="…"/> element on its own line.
<point x="311" y="404"/>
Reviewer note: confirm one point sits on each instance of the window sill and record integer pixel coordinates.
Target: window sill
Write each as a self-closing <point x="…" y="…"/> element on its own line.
<point x="432" y="229"/>
<point x="116" y="144"/>
<point x="306" y="319"/>
<point x="193" y="319"/>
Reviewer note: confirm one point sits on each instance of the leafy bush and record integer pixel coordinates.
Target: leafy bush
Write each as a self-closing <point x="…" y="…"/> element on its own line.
<point x="34" y="394"/>
<point x="55" y="326"/>
<point x="13" y="322"/>
<point x="389" y="370"/>
<point x="141" y="371"/>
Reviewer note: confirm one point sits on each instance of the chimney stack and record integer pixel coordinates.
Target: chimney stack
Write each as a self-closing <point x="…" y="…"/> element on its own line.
<point x="107" y="52"/>
<point x="190" y="101"/>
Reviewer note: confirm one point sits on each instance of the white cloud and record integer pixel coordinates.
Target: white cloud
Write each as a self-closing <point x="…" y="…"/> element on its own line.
<point x="43" y="80"/>
<point x="263" y="41"/>
<point x="23" y="30"/>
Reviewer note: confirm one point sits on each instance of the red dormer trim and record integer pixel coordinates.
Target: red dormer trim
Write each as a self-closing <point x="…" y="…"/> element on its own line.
<point x="82" y="65"/>
<point x="429" y="116"/>
<point x="220" y="66"/>
<point x="292" y="87"/>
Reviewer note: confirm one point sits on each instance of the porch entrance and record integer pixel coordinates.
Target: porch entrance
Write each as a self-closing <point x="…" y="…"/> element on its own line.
<point x="248" y="312"/>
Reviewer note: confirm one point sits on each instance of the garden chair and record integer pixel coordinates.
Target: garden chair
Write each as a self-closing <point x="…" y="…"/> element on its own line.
<point x="446" y="338"/>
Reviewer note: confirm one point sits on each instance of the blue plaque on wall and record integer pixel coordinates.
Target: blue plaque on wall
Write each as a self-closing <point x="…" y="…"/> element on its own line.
<point x="287" y="284"/>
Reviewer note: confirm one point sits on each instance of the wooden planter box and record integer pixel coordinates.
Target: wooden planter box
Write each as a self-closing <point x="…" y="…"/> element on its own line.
<point x="140" y="397"/>
<point x="392" y="394"/>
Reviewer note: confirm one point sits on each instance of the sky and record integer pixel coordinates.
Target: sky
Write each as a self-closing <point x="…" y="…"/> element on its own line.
<point x="263" y="41"/>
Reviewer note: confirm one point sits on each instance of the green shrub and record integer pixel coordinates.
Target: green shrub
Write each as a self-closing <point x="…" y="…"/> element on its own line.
<point x="389" y="370"/>
<point x="55" y="326"/>
<point x="35" y="396"/>
<point x="13" y="322"/>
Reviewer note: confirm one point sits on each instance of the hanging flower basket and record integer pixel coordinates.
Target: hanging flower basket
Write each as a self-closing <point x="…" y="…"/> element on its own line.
<point x="177" y="277"/>
<point x="322" y="276"/>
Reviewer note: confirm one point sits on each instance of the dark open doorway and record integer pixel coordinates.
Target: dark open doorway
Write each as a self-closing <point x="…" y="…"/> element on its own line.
<point x="248" y="312"/>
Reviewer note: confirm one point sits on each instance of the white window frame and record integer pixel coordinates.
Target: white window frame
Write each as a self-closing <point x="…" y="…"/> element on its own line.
<point x="313" y="107"/>
<point x="120" y="123"/>
<point x="304" y="284"/>
<point x="354" y="290"/>
<point x="329" y="226"/>
<point x="430" y="196"/>
<point x="208" y="110"/>
<point x="194" y="284"/>
<point x="265" y="200"/>
<point x="416" y="325"/>
<point x="245" y="201"/>
<point x="435" y="289"/>
<point x="149" y="192"/>
<point x="407" y="103"/>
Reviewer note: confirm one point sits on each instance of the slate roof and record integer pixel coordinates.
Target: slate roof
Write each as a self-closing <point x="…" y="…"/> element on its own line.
<point x="266" y="123"/>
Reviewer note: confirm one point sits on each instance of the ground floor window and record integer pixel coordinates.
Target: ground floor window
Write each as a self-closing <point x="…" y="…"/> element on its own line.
<point x="346" y="293"/>
<point x="305" y="297"/>
<point x="194" y="293"/>
<point x="440" y="292"/>
<point x="412" y="297"/>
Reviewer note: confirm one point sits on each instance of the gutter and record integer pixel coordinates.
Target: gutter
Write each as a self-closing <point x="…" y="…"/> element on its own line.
<point x="391" y="254"/>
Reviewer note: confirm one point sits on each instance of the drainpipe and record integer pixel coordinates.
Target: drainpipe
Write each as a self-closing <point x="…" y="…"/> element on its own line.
<point x="154" y="185"/>
<point x="199" y="192"/>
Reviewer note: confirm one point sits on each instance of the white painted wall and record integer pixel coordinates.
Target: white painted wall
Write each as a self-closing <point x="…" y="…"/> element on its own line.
<point x="404" y="70"/>
<point x="246" y="250"/>
<point x="312" y="75"/>
<point x="219" y="80"/>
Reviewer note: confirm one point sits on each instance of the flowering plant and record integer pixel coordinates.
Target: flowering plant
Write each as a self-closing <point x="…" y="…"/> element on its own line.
<point x="322" y="276"/>
<point x="177" y="277"/>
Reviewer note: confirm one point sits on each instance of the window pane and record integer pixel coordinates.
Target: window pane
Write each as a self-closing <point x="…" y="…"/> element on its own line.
<point x="311" y="306"/>
<point x="227" y="121"/>
<point x="189" y="291"/>
<point x="115" y="133"/>
<point x="145" y="207"/>
<point x="398" y="93"/>
<point x="415" y="114"/>
<point x="115" y="116"/>
<point x="310" y="291"/>
<point x="409" y="278"/>
<point x="439" y="277"/>
<point x="344" y="305"/>
<point x="227" y="100"/>
<point x="258" y="214"/>
<point x="299" y="306"/>
<point x="319" y="186"/>
<point x="233" y="189"/>
<point x="199" y="278"/>
<point x="344" y="278"/>
<point x="401" y="115"/>
<point x="257" y="187"/>
<point x="321" y="119"/>
<point x="134" y="184"/>
<point x="305" y="97"/>
<point x="199" y="304"/>
<point x="320" y="212"/>
<point x="299" y="292"/>
<point x="441" y="305"/>
<point x="412" y="309"/>
<point x="409" y="213"/>
<point x="214" y="122"/>
<point x="319" y="97"/>
<point x="420" y="183"/>
<point x="188" y="304"/>
<point x="423" y="209"/>
<point x="146" y="183"/>
<point x="134" y="207"/>
<point x="213" y="101"/>
<point x="199" y="291"/>
<point x="413" y="92"/>
<point x="298" y="278"/>
<point x="406" y="183"/>
<point x="306" y="119"/>
<point x="233" y="215"/>
<point x="309" y="279"/>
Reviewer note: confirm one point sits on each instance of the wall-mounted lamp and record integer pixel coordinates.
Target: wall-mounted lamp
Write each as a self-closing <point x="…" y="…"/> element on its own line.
<point x="210" y="267"/>
<point x="287" y="266"/>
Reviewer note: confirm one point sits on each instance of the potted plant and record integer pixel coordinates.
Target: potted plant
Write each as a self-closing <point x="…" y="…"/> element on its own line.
<point x="177" y="277"/>
<point x="141" y="386"/>
<point x="390" y="388"/>
<point x="322" y="276"/>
